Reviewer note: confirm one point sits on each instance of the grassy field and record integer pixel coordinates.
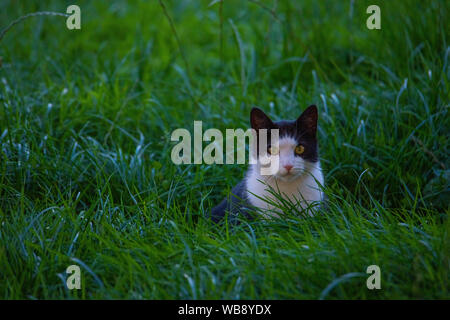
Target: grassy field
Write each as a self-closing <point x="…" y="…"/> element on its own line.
<point x="86" y="176"/>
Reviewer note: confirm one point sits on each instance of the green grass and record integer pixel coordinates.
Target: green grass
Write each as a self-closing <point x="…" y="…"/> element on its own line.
<point x="85" y="170"/>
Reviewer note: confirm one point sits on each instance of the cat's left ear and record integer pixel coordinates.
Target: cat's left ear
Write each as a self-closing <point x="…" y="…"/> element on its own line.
<point x="259" y="120"/>
<point x="307" y="122"/>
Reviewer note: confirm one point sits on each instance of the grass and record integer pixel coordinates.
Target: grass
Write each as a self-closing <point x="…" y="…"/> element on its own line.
<point x="85" y="170"/>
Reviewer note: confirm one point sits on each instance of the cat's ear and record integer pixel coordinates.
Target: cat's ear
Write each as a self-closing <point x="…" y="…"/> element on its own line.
<point x="307" y="122"/>
<point x="259" y="120"/>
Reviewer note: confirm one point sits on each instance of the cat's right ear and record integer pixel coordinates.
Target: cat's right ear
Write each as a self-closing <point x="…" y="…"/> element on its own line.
<point x="259" y="120"/>
<point x="307" y="122"/>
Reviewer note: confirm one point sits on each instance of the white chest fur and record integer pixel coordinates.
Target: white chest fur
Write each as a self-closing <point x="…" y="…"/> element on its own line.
<point x="300" y="192"/>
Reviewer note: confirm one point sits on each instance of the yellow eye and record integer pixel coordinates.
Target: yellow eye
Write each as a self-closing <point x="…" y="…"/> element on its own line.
<point x="299" y="149"/>
<point x="272" y="150"/>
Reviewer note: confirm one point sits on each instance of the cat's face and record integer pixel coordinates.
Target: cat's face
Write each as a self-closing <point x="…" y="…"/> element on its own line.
<point x="297" y="150"/>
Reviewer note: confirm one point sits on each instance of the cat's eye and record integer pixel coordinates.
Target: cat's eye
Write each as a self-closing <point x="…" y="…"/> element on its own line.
<point x="272" y="150"/>
<point x="299" y="149"/>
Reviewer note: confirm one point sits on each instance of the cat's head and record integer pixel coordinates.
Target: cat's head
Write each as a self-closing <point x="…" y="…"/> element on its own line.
<point x="297" y="150"/>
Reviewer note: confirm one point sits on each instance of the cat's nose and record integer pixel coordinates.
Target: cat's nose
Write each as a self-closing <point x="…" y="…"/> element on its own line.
<point x="288" y="167"/>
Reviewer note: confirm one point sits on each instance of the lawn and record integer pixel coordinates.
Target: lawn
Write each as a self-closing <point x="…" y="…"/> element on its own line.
<point x="86" y="176"/>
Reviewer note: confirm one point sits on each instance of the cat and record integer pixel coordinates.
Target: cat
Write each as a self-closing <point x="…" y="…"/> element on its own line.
<point x="297" y="178"/>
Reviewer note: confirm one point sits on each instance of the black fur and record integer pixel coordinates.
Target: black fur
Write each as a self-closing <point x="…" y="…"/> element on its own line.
<point x="235" y="204"/>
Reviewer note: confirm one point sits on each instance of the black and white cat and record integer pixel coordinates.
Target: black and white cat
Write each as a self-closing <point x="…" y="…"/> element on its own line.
<point x="297" y="178"/>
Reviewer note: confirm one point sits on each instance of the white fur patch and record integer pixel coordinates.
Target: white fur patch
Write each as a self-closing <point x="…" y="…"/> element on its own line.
<point x="300" y="186"/>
